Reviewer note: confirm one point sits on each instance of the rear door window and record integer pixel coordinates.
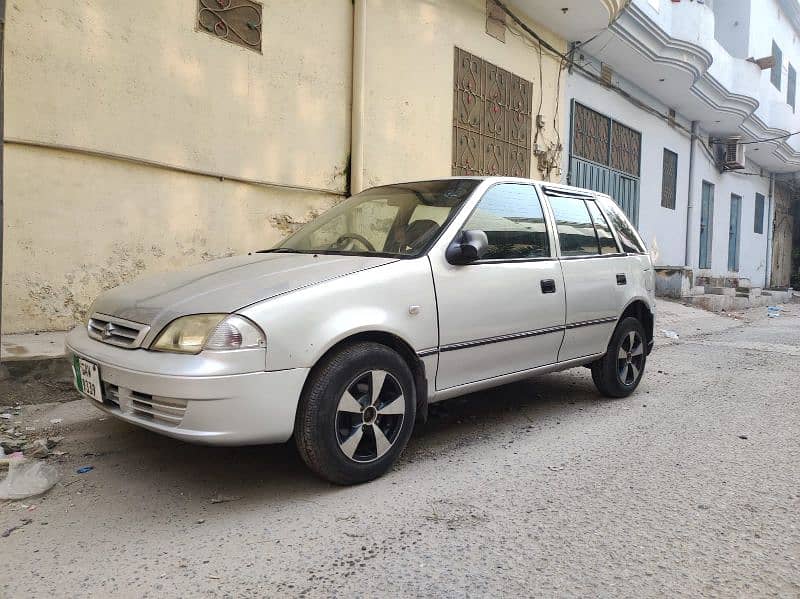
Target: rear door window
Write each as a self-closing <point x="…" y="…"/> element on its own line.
<point x="576" y="234"/>
<point x="604" y="236"/>
<point x="628" y="237"/>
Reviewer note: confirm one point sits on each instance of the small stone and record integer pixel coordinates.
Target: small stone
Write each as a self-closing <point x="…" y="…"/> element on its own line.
<point x="201" y="520"/>
<point x="37" y="449"/>
<point x="53" y="441"/>
<point x="225" y="498"/>
<point x="743" y="437"/>
<point x="11" y="445"/>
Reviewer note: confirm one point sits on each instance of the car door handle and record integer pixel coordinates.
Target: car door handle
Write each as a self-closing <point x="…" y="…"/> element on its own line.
<point x="622" y="279"/>
<point x="548" y="286"/>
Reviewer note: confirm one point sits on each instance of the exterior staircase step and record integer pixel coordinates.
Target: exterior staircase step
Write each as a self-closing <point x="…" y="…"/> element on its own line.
<point x="720" y="290"/>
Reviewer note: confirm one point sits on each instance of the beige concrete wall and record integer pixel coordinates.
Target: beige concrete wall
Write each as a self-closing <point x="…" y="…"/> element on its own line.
<point x="76" y="225"/>
<point x="135" y="78"/>
<point x="409" y="83"/>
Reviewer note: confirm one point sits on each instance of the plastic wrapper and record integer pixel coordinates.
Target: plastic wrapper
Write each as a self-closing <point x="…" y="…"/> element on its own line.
<point x="27" y="478"/>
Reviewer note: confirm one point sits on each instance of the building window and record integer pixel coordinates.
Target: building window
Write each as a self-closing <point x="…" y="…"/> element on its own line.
<point x="775" y="73"/>
<point x="237" y="21"/>
<point x="758" y="220"/>
<point x="669" y="179"/>
<point x="491" y="119"/>
<point x="791" y="87"/>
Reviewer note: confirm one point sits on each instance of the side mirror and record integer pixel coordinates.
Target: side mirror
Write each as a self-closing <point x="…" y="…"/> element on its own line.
<point x="467" y="247"/>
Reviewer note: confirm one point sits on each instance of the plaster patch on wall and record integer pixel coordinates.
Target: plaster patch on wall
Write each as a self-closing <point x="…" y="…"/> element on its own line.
<point x="72" y="298"/>
<point x="288" y="224"/>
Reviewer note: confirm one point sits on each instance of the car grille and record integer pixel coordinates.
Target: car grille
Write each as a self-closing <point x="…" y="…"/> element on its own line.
<point x="168" y="411"/>
<point x="117" y="331"/>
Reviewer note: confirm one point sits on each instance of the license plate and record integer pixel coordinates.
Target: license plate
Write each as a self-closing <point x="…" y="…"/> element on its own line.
<point x="87" y="378"/>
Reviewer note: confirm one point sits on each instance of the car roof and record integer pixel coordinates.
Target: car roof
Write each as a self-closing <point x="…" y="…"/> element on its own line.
<point x="544" y="184"/>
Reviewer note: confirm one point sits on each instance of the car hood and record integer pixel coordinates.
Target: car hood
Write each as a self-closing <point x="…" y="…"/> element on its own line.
<point x="224" y="285"/>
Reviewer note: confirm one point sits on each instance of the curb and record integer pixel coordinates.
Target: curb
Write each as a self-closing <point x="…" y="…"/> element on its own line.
<point x="55" y="368"/>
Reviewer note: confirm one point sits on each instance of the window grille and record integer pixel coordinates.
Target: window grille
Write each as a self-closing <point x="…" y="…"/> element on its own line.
<point x="491" y="119"/>
<point x="669" y="179"/>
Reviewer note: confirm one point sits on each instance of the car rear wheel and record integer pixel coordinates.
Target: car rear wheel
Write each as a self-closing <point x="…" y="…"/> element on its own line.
<point x="618" y="373"/>
<point x="356" y="414"/>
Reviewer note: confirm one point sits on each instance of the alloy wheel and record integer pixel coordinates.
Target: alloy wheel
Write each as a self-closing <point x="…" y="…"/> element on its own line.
<point x="369" y="416"/>
<point x="630" y="358"/>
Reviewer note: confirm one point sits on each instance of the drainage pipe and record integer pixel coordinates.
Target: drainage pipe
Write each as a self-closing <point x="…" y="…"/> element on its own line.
<point x="770" y="225"/>
<point x="2" y="41"/>
<point x="687" y="258"/>
<point x="357" y="114"/>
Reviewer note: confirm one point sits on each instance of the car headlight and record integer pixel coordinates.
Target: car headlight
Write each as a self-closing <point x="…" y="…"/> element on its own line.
<point x="193" y="334"/>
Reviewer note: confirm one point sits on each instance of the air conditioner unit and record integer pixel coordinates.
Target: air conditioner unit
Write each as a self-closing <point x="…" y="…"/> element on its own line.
<point x="734" y="154"/>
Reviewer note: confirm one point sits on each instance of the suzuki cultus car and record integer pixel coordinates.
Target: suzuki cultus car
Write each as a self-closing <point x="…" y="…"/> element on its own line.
<point x="400" y="296"/>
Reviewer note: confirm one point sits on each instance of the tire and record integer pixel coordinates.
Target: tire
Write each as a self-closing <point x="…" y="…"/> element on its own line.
<point x="619" y="371"/>
<point x="345" y="432"/>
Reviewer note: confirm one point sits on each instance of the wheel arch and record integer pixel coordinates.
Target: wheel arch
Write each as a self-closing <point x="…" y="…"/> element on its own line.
<point x="399" y="345"/>
<point x="640" y="310"/>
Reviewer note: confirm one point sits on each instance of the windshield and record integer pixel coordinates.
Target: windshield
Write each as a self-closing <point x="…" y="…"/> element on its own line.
<point x="395" y="220"/>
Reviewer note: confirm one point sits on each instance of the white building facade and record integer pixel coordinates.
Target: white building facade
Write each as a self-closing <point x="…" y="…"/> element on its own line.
<point x="657" y="98"/>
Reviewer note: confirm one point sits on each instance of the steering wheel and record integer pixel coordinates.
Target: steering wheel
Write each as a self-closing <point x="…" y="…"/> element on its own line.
<point x="354" y="237"/>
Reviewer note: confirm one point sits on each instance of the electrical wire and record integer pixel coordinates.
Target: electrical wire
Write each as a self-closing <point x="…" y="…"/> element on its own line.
<point x="569" y="61"/>
<point x="566" y="58"/>
<point x="761" y="141"/>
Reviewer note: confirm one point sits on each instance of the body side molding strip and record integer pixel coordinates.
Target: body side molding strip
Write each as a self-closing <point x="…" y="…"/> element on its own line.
<point x="513" y="336"/>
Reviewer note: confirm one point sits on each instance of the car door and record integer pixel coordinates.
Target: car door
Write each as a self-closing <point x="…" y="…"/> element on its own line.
<point x="505" y="312"/>
<point x="595" y="271"/>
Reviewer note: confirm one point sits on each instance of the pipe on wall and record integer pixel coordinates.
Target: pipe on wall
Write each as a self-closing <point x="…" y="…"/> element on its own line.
<point x="687" y="259"/>
<point x="2" y="58"/>
<point x="163" y="165"/>
<point x="770" y="225"/>
<point x="357" y="114"/>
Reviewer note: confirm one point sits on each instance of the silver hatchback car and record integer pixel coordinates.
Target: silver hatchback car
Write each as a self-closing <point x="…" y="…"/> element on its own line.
<point x="400" y="296"/>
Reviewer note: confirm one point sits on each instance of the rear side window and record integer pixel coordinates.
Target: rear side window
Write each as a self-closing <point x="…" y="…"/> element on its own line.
<point x="511" y="216"/>
<point x="628" y="237"/>
<point x="604" y="236"/>
<point x="576" y="234"/>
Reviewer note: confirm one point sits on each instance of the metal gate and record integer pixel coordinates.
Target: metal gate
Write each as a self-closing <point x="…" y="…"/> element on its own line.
<point x="706" y="224"/>
<point x="734" y="231"/>
<point x="605" y="156"/>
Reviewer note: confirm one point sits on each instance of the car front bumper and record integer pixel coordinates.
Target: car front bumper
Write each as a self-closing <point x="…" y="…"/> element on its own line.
<point x="228" y="406"/>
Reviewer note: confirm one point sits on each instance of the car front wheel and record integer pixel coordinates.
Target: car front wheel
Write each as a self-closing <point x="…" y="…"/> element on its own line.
<point x="356" y="414"/>
<point x="618" y="372"/>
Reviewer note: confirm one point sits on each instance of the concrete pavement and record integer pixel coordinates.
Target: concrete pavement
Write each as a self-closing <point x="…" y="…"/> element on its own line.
<point x="540" y="488"/>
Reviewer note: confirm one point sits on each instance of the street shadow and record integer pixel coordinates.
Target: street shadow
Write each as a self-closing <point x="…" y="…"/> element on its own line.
<point x="274" y="474"/>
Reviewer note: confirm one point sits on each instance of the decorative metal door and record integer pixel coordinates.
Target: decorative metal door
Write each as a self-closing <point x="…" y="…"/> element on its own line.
<point x="706" y="224"/>
<point x="491" y="119"/>
<point x="605" y="156"/>
<point x="734" y="233"/>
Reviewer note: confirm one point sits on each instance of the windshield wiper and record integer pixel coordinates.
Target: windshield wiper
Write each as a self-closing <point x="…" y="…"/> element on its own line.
<point x="276" y="250"/>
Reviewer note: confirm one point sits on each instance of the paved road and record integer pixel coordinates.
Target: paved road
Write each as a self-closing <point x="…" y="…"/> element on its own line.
<point x="536" y="489"/>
